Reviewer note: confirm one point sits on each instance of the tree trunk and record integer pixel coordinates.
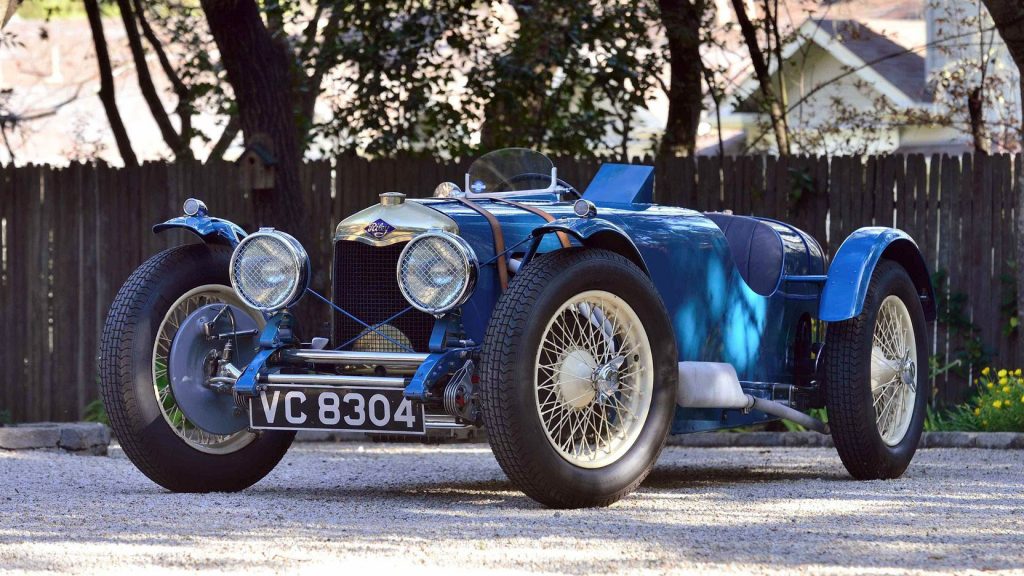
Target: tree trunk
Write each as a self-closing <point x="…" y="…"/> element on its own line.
<point x="1008" y="16"/>
<point x="259" y="68"/>
<point x="764" y="80"/>
<point x="682" y="20"/>
<point x="107" y="91"/>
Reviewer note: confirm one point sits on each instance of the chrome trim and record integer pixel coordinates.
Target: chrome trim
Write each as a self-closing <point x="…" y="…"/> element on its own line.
<point x="444" y="422"/>
<point x="350" y="357"/>
<point x="409" y="219"/>
<point x="299" y="255"/>
<point x="469" y="260"/>
<point x="194" y="207"/>
<point x="333" y="381"/>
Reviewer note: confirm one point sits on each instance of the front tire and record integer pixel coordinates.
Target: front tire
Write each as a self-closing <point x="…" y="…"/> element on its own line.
<point x="877" y="385"/>
<point x="154" y="433"/>
<point x="578" y="378"/>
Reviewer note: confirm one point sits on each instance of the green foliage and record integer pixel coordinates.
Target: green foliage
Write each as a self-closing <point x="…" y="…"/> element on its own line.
<point x="5" y="417"/>
<point x="819" y="413"/>
<point x="573" y="72"/>
<point x="424" y="76"/>
<point x="392" y="66"/>
<point x="801" y="185"/>
<point x="57" y="9"/>
<point x="997" y="406"/>
<point x="95" y="411"/>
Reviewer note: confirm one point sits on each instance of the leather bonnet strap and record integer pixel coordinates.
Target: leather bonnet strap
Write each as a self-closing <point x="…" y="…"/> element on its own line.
<point x="499" y="239"/>
<point x="562" y="237"/>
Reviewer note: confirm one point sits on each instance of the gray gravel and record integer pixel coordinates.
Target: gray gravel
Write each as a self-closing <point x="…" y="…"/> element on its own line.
<point x="375" y="509"/>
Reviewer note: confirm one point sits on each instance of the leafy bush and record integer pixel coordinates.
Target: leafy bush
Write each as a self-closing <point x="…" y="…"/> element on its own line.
<point x="5" y="417"/>
<point x="95" y="411"/>
<point x="998" y="405"/>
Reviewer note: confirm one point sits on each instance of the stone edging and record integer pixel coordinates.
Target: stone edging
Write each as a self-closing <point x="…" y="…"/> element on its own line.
<point x="989" y="440"/>
<point x="80" y="437"/>
<point x="91" y="438"/>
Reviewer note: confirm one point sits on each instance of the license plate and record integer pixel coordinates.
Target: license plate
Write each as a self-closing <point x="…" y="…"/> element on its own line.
<point x="333" y="408"/>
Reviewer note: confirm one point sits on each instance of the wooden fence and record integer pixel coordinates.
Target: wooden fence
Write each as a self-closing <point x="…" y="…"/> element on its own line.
<point x="70" y="237"/>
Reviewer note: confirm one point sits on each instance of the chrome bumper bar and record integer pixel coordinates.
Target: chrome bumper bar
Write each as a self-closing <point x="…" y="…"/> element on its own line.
<point x="398" y="361"/>
<point x="395" y="359"/>
<point x="334" y="380"/>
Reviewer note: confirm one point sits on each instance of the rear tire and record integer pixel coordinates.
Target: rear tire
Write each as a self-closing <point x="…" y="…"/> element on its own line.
<point x="528" y="402"/>
<point x="876" y="408"/>
<point x="129" y="389"/>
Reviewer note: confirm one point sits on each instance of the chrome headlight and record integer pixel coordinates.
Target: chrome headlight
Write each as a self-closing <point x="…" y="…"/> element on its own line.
<point x="437" y="272"/>
<point x="269" y="270"/>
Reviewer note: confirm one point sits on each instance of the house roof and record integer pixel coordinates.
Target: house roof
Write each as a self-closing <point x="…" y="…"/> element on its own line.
<point x="894" y="70"/>
<point x="899" y="65"/>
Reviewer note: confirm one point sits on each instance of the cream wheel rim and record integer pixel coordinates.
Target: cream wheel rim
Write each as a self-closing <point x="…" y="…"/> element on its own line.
<point x="594" y="379"/>
<point x="893" y="370"/>
<point x="191" y="434"/>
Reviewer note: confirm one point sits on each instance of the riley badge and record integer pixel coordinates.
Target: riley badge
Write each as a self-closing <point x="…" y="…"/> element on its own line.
<point x="379" y="228"/>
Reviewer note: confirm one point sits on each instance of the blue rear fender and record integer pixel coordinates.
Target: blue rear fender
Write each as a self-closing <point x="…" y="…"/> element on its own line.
<point x="211" y="230"/>
<point x="850" y="273"/>
<point x="596" y="233"/>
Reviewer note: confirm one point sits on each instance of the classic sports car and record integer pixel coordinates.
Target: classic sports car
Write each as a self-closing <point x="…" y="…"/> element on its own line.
<point x="580" y="329"/>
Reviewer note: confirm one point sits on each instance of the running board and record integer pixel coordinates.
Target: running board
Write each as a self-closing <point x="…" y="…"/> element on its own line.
<point x="716" y="385"/>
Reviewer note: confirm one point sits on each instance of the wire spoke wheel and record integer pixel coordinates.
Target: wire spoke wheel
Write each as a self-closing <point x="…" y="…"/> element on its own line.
<point x="191" y="434"/>
<point x="893" y="370"/>
<point x="594" y="379"/>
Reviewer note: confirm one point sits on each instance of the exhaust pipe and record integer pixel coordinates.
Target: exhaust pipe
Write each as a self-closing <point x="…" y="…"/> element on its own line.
<point x="716" y="385"/>
<point x="783" y="411"/>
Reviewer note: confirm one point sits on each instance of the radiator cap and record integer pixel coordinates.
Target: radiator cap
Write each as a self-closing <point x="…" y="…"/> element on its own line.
<point x="392" y="198"/>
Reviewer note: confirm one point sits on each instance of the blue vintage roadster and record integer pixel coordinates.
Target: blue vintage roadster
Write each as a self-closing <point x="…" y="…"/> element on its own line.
<point x="579" y="328"/>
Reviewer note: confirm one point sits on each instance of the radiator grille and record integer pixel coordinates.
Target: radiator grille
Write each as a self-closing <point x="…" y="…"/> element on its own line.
<point x="365" y="285"/>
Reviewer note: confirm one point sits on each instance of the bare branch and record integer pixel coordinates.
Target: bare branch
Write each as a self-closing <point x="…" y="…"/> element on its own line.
<point x="226" y="137"/>
<point x="149" y="93"/>
<point x="124" y="145"/>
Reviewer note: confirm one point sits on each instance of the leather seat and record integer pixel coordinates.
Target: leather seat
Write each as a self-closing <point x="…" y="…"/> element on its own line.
<point x="756" y="250"/>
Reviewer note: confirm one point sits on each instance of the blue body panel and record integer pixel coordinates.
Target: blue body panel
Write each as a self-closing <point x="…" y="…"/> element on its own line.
<point x="622" y="184"/>
<point x="848" y="279"/>
<point x="211" y="230"/>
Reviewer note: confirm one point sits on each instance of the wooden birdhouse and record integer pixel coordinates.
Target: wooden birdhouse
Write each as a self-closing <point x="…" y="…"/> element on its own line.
<point x="256" y="168"/>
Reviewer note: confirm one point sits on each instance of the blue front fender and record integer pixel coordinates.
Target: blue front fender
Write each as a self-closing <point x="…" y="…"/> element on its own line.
<point x="211" y="230"/>
<point x="596" y="233"/>
<point x="850" y="273"/>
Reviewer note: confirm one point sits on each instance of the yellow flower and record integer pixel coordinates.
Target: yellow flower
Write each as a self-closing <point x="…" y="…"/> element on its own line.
<point x="997" y="404"/>
<point x="1006" y="389"/>
<point x="977" y="411"/>
<point x="1002" y="373"/>
<point x="975" y="380"/>
<point x="984" y="423"/>
<point x="1017" y="372"/>
<point x="985" y="371"/>
<point x="990" y="385"/>
<point x="1022" y="399"/>
<point x="1003" y="381"/>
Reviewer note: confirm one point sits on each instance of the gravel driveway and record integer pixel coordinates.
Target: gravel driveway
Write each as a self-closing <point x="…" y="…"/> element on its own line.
<point x="378" y="508"/>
